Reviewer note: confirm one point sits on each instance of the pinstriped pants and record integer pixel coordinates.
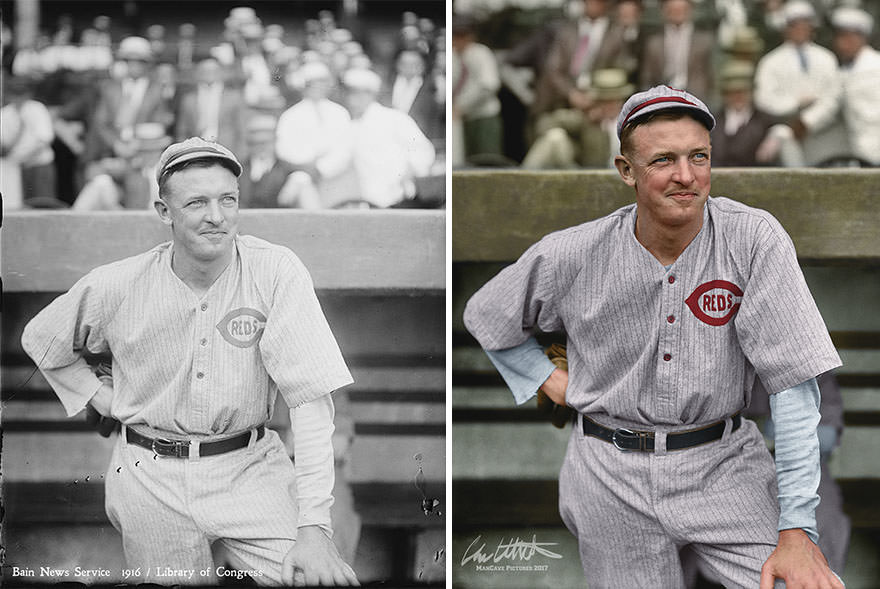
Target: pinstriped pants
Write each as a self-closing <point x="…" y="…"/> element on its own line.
<point x="170" y="510"/>
<point x="633" y="511"/>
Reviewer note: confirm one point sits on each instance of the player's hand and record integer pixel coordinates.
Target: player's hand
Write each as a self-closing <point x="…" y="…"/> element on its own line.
<point x="799" y="562"/>
<point x="102" y="399"/>
<point x="314" y="560"/>
<point x="555" y="385"/>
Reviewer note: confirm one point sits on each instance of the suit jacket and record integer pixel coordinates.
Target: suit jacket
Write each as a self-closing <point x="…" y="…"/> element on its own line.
<point x="263" y="194"/>
<point x="551" y="90"/>
<point x="231" y="127"/>
<point x="103" y="132"/>
<point x="424" y="110"/>
<point x="701" y="73"/>
<point x="738" y="150"/>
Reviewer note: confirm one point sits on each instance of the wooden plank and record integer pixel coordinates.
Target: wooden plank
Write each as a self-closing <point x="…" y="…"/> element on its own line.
<point x="831" y="214"/>
<point x="387" y="250"/>
<point x="392" y="460"/>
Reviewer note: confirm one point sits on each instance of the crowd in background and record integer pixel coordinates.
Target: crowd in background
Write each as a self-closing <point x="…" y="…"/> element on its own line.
<point x="792" y="83"/>
<point x="316" y="120"/>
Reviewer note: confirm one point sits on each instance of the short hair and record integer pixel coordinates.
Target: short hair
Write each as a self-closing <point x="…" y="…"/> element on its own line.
<point x="667" y="114"/>
<point x="202" y="162"/>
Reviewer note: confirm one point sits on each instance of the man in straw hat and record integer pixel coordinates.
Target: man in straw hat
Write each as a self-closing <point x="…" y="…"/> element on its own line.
<point x="204" y="332"/>
<point x="671" y="306"/>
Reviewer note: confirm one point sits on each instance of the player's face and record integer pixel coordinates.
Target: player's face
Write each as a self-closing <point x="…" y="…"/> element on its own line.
<point x="669" y="168"/>
<point x="202" y="210"/>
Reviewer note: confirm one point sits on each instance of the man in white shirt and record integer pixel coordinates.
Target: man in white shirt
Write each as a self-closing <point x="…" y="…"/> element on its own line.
<point x="860" y="75"/>
<point x="390" y="150"/>
<point x="315" y="133"/>
<point x="799" y="81"/>
<point x="414" y="94"/>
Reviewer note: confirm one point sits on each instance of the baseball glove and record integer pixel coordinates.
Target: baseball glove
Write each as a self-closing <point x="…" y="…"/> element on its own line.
<point x="559" y="415"/>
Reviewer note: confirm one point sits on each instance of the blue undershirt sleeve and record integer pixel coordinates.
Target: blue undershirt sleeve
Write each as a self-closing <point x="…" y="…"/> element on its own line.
<point x="795" y="414"/>
<point x="524" y="368"/>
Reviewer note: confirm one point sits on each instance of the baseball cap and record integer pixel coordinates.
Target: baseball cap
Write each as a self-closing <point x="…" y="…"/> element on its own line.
<point x="798" y="10"/>
<point x="848" y="18"/>
<point x="662" y="98"/>
<point x="192" y="149"/>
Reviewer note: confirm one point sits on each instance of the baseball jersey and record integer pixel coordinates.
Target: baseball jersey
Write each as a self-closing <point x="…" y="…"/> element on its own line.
<point x="651" y="345"/>
<point x="187" y="366"/>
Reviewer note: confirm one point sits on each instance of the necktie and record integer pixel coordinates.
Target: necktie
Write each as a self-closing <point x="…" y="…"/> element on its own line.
<point x="580" y="56"/>
<point x="802" y="57"/>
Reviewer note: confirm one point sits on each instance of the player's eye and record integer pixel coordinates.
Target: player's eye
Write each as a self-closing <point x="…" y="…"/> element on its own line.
<point x="229" y="200"/>
<point x="195" y="204"/>
<point x="701" y="157"/>
<point x="661" y="160"/>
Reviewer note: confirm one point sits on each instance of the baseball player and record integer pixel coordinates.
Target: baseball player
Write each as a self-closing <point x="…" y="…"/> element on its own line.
<point x="670" y="307"/>
<point x="204" y="331"/>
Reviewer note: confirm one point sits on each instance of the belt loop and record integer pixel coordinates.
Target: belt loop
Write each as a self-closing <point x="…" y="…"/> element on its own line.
<point x="194" y="450"/>
<point x="728" y="426"/>
<point x="660" y="442"/>
<point x="253" y="441"/>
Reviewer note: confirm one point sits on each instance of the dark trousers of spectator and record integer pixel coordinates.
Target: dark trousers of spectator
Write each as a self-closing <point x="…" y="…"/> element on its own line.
<point x="38" y="184"/>
<point x="483" y="137"/>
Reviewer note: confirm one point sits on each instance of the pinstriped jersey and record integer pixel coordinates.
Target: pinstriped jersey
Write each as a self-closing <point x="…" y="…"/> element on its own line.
<point x="651" y="345"/>
<point x="189" y="365"/>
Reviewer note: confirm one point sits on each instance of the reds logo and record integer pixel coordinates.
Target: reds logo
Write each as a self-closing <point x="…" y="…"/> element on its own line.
<point x="242" y="327"/>
<point x="715" y="302"/>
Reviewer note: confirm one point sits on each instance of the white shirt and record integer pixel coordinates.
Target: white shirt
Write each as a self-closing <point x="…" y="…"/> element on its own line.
<point x="475" y="82"/>
<point x="861" y="95"/>
<point x="28" y="130"/>
<point x="781" y="85"/>
<point x="676" y="47"/>
<point x="208" y="101"/>
<point x="315" y="133"/>
<point x="389" y="151"/>
<point x="404" y="92"/>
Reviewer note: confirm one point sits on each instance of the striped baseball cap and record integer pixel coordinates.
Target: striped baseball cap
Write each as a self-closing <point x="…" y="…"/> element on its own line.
<point x="661" y="98"/>
<point x="192" y="149"/>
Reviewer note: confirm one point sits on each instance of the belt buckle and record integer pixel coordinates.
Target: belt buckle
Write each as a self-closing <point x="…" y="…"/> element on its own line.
<point x="163" y="447"/>
<point x="624" y="433"/>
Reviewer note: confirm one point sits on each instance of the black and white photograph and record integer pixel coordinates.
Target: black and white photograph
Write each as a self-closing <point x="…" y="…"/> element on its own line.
<point x="665" y="336"/>
<point x="224" y="293"/>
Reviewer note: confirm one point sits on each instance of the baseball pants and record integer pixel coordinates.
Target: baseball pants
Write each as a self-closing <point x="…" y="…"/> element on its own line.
<point x="170" y="510"/>
<point x="632" y="511"/>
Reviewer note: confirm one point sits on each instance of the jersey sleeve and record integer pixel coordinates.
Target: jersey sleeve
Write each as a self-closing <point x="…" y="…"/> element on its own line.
<point x="521" y="298"/>
<point x="312" y="426"/>
<point x="58" y="336"/>
<point x="778" y="324"/>
<point x="298" y="349"/>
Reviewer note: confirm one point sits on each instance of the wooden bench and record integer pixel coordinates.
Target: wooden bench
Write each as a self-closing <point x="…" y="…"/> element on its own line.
<point x="506" y="458"/>
<point x="380" y="277"/>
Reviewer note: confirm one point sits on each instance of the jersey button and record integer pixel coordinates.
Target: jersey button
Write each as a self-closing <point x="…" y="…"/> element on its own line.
<point x="204" y="341"/>
<point x="204" y="306"/>
<point x="671" y="319"/>
<point x="202" y="374"/>
<point x="667" y="357"/>
<point x="671" y="279"/>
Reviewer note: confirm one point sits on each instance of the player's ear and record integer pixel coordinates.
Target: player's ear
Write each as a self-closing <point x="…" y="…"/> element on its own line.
<point x="625" y="170"/>
<point x="162" y="208"/>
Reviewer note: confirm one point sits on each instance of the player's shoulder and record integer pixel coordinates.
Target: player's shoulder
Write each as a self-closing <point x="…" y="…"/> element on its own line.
<point x="591" y="232"/>
<point x="732" y="216"/>
<point x="267" y="257"/>
<point x="128" y="271"/>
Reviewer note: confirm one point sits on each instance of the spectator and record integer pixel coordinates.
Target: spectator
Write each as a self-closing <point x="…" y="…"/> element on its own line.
<point x="680" y="55"/>
<point x="124" y="103"/>
<point x="28" y="168"/>
<point x="860" y="73"/>
<point x="186" y="46"/>
<point x="126" y="183"/>
<point x="746" y="46"/>
<point x="254" y="65"/>
<point x="315" y="133"/>
<point x="476" y="110"/>
<point x="389" y="149"/>
<point x="413" y="93"/>
<point x="628" y="15"/>
<point x="744" y="136"/>
<point x="579" y="139"/>
<point x="799" y="82"/>
<point x="592" y="42"/>
<point x="213" y="110"/>
<point x="267" y="182"/>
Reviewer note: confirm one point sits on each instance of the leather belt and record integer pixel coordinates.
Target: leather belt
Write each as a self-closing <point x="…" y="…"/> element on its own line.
<point x="643" y="441"/>
<point x="180" y="448"/>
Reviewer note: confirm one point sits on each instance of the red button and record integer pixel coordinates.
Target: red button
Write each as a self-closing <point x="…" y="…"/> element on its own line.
<point x="671" y="279"/>
<point x="667" y="357"/>
<point x="671" y="319"/>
